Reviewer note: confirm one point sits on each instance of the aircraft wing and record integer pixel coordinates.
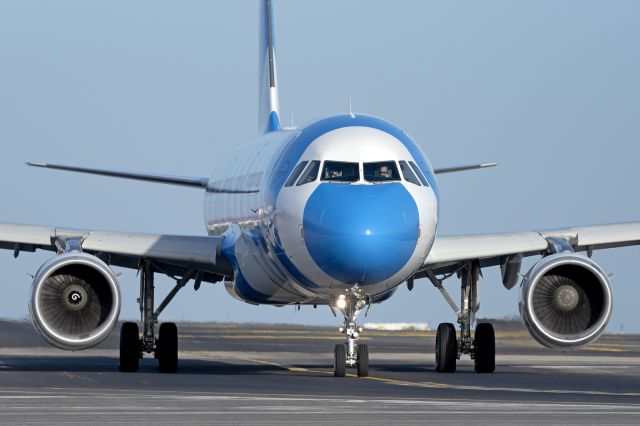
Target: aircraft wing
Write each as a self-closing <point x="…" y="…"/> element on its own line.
<point x="449" y="252"/>
<point x="171" y="254"/>
<point x="193" y="182"/>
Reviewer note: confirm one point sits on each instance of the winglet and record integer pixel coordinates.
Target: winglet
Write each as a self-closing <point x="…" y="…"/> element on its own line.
<point x="269" y="114"/>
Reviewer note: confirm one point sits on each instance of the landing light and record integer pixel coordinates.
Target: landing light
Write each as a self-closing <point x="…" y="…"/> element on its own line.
<point x="341" y="303"/>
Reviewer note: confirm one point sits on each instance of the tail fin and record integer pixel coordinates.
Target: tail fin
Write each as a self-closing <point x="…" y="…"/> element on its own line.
<point x="269" y="114"/>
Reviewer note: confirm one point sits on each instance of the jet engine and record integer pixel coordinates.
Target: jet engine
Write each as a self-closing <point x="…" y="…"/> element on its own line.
<point x="566" y="301"/>
<point x="75" y="301"/>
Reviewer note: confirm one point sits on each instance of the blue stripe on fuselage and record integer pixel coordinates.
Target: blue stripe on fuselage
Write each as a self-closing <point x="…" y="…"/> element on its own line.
<point x="243" y="286"/>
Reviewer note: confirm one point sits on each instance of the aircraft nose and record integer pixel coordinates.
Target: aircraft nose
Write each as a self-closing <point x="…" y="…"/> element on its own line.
<point x="361" y="233"/>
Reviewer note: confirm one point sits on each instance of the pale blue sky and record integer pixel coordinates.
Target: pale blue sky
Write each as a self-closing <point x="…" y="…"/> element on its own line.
<point x="549" y="89"/>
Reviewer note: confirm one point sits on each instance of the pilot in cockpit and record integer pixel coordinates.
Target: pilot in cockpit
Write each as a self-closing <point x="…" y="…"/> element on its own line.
<point x="333" y="173"/>
<point x="384" y="172"/>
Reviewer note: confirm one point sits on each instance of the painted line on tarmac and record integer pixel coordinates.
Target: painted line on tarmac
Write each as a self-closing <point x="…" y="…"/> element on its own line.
<point x="605" y="349"/>
<point x="435" y="385"/>
<point x="267" y="337"/>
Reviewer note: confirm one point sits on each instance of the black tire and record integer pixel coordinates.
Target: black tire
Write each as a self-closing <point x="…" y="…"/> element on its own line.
<point x="129" y="347"/>
<point x="167" y="348"/>
<point x="485" y="348"/>
<point x="363" y="360"/>
<point x="339" y="361"/>
<point x="446" y="348"/>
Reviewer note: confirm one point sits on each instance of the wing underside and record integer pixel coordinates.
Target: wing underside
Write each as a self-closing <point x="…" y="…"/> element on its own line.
<point x="171" y="254"/>
<point x="449" y="252"/>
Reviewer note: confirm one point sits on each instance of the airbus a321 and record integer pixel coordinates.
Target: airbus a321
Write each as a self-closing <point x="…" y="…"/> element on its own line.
<point x="293" y="219"/>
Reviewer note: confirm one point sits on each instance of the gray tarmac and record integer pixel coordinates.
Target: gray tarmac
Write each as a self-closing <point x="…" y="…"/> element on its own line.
<point x="280" y="374"/>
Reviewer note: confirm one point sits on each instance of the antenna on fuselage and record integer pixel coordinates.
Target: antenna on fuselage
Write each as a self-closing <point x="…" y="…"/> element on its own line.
<point x="351" y="114"/>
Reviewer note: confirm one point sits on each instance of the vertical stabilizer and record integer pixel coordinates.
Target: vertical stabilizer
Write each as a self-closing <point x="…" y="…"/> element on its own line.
<point x="269" y="114"/>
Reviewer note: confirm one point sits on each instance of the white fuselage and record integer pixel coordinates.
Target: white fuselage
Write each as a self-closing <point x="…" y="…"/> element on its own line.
<point x="293" y="242"/>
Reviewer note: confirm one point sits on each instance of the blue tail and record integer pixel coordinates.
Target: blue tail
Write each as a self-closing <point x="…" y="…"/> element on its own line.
<point x="269" y="114"/>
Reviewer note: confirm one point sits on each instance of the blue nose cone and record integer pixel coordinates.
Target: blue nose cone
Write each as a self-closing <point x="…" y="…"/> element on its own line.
<point x="361" y="233"/>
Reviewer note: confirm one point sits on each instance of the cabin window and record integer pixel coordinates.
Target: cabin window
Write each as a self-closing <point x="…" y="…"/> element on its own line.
<point x="409" y="176"/>
<point x="381" y="171"/>
<point x="296" y="173"/>
<point x="336" y="171"/>
<point x="310" y="174"/>
<point x="419" y="173"/>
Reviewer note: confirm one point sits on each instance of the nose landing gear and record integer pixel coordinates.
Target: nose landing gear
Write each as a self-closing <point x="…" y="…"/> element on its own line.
<point x="351" y="353"/>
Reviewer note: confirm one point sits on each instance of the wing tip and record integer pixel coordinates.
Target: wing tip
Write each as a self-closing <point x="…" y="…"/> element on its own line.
<point x="455" y="169"/>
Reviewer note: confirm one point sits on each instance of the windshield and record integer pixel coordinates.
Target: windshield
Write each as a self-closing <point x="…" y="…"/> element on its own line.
<point x="336" y="171"/>
<point x="419" y="173"/>
<point x="310" y="174"/>
<point x="409" y="176"/>
<point x="295" y="174"/>
<point x="381" y="171"/>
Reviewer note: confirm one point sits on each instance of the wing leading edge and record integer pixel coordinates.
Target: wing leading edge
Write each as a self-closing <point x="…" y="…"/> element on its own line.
<point x="193" y="182"/>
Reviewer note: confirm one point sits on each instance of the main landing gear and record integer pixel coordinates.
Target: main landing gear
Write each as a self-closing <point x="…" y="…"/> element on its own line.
<point x="351" y="353"/>
<point x="165" y="345"/>
<point x="449" y="348"/>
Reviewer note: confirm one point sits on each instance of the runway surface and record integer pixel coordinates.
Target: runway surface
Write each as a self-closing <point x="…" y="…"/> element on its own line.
<point x="273" y="374"/>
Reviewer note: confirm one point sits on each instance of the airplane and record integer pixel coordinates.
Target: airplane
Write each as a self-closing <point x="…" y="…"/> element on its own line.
<point x="295" y="218"/>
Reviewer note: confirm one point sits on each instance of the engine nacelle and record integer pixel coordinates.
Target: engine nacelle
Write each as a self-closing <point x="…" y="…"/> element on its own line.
<point x="566" y="301"/>
<point x="75" y="301"/>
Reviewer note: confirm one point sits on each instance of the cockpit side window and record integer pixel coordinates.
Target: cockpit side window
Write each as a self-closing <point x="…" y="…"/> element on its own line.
<point x="419" y="173"/>
<point x="310" y="174"/>
<point x="409" y="176"/>
<point x="337" y="171"/>
<point x="296" y="173"/>
<point x="381" y="171"/>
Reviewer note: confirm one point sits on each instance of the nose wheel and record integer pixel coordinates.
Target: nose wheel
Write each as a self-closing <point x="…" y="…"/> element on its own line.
<point x="363" y="360"/>
<point x="351" y="353"/>
<point x="339" y="361"/>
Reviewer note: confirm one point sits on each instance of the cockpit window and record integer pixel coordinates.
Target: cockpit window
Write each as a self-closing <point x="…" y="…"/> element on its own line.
<point x="296" y="173"/>
<point x="336" y="171"/>
<point x="419" y="173"/>
<point x="409" y="176"/>
<point x="382" y="171"/>
<point x="310" y="174"/>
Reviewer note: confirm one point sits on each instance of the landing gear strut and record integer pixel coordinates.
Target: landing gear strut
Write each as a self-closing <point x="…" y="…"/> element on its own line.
<point x="351" y="353"/>
<point x="481" y="347"/>
<point x="165" y="346"/>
